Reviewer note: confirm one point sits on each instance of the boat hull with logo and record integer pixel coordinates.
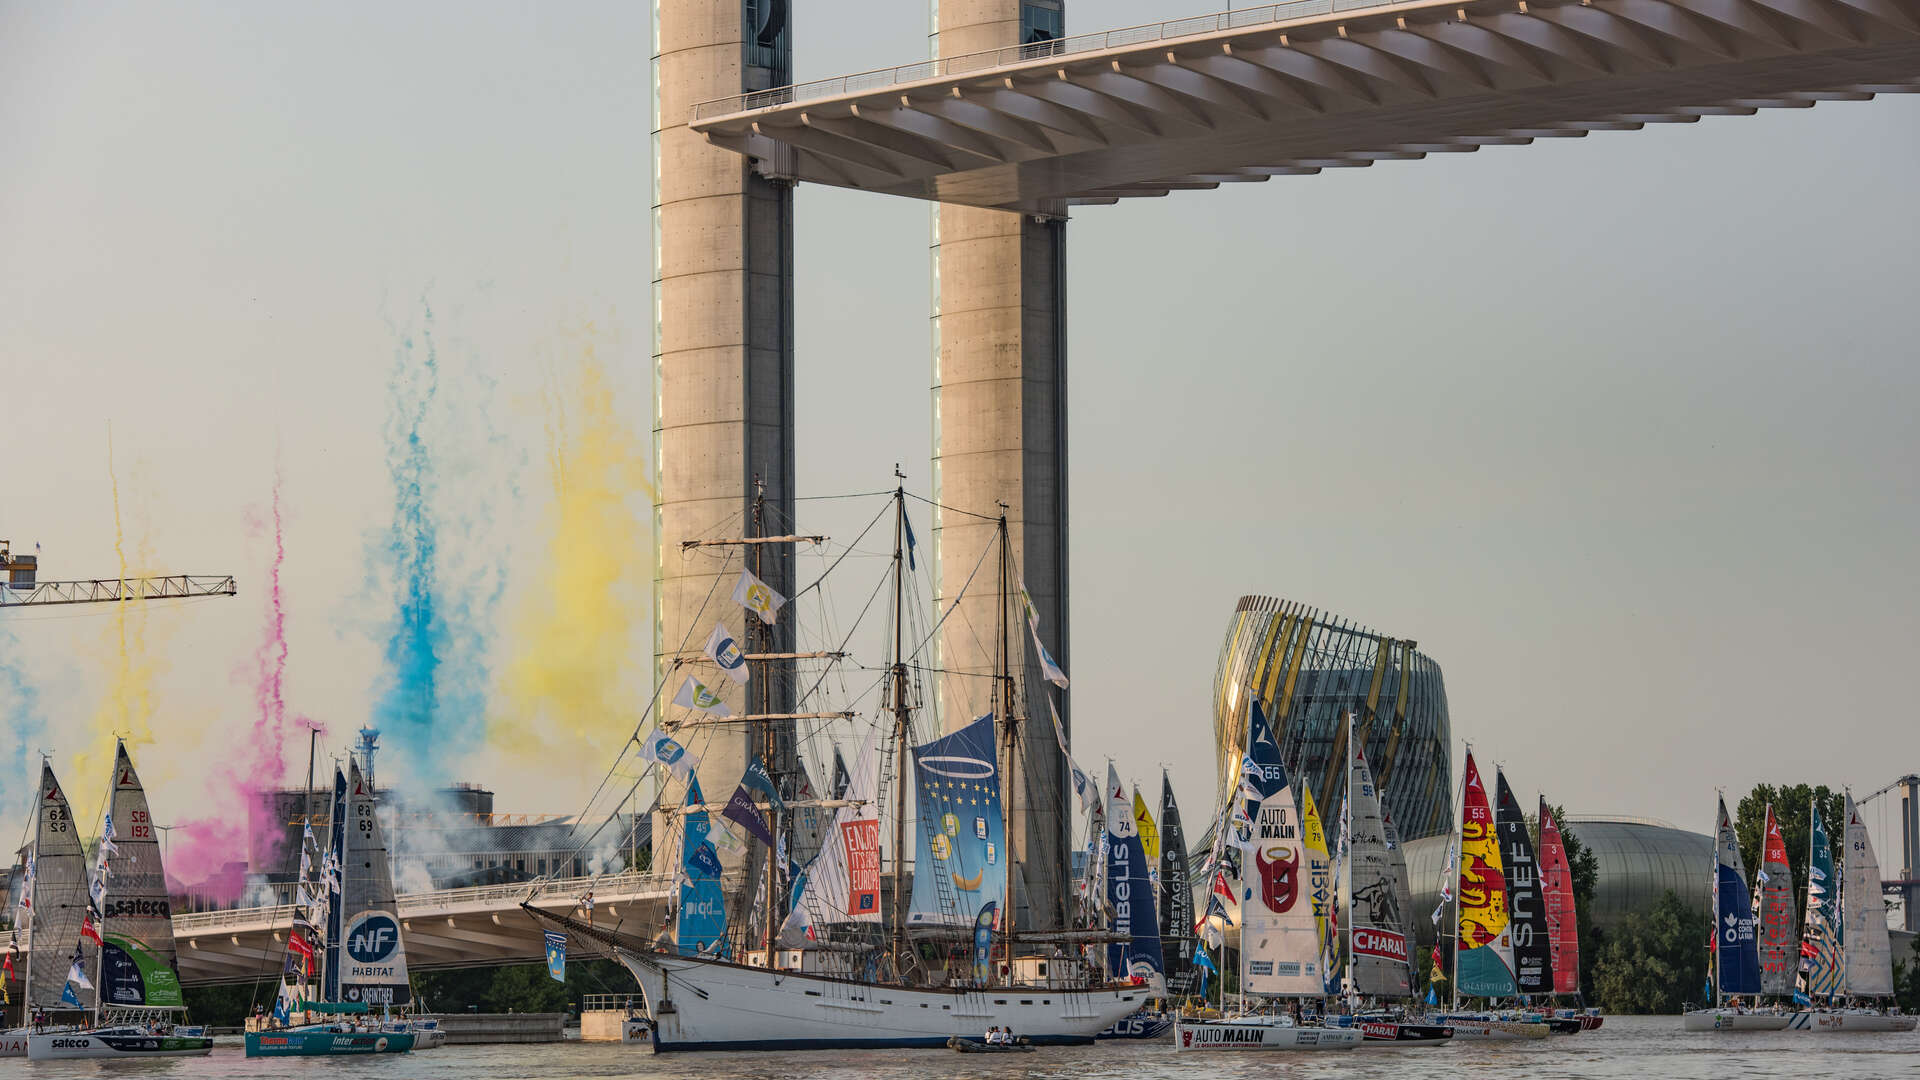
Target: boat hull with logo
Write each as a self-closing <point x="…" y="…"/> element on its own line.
<point x="1849" y="1021"/>
<point x="1143" y="1026"/>
<point x="1260" y="1033"/>
<point x="1494" y="1030"/>
<point x="1730" y="1020"/>
<point x="327" y="1041"/>
<point x="704" y="1004"/>
<point x="1398" y="1031"/>
<point x="115" y="1043"/>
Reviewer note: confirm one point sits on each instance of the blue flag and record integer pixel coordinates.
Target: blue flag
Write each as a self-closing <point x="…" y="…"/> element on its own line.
<point x="702" y="924"/>
<point x="1203" y="964"/>
<point x="740" y="808"/>
<point x="67" y="997"/>
<point x="908" y="522"/>
<point x="757" y="779"/>
<point x="1432" y="998"/>
<point x="557" y="955"/>
<point x="983" y="943"/>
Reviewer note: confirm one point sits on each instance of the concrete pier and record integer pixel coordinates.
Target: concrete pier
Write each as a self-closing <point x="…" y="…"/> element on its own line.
<point x="474" y="1029"/>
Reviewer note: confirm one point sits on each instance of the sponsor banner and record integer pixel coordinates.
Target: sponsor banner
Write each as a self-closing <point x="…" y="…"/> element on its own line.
<point x="1382" y="943"/>
<point x="862" y="839"/>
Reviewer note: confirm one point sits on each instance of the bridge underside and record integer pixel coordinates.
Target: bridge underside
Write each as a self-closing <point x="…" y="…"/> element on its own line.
<point x="1293" y="96"/>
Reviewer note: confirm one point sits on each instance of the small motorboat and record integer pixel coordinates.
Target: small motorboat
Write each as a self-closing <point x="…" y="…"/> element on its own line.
<point x="981" y="1046"/>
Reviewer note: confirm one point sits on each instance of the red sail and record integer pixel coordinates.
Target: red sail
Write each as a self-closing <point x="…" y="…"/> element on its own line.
<point x="1556" y="886"/>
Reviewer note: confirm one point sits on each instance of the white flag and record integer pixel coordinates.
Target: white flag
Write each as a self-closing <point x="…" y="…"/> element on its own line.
<point x="661" y="750"/>
<point x="724" y="651"/>
<point x="78" y="977"/>
<point x="695" y="695"/>
<point x="758" y="597"/>
<point x="1047" y="667"/>
<point x="1082" y="783"/>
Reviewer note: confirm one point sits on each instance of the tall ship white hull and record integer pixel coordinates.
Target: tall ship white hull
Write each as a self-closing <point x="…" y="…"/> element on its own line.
<point x="1851" y="1021"/>
<point x="1260" y="1033"/>
<point x="700" y="1004"/>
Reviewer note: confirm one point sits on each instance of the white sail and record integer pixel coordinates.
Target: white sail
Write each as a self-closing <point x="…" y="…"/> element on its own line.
<point x="138" y="965"/>
<point x="1279" y="943"/>
<point x="843" y="882"/>
<point x="1377" y="924"/>
<point x="1869" y="954"/>
<point x="373" y="956"/>
<point x="59" y="904"/>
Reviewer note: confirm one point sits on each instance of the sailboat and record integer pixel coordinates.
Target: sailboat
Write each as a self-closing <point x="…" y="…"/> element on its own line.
<point x="1280" y="947"/>
<point x="363" y="950"/>
<point x="1563" y="922"/>
<point x="1866" y="969"/>
<point x="840" y="973"/>
<point x="1483" y="955"/>
<point x="1736" y="955"/>
<point x="138" y="1011"/>
<point x="54" y="903"/>
<point x="1132" y="882"/>
<point x="1176" y="895"/>
<point x="1377" y="945"/>
<point x="1533" y="974"/>
<point x="1779" y="941"/>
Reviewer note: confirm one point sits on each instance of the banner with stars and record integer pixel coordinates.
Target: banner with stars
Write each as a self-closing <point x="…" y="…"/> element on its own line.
<point x="961" y="862"/>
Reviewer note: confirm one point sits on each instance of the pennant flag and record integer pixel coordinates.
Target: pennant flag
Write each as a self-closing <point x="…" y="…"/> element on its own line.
<point x="97" y="889"/>
<point x="78" y="977"/>
<point x="1082" y="783"/>
<point x="1432" y="998"/>
<point x="740" y="808"/>
<point x="88" y="931"/>
<point x="283" y="1004"/>
<point x="662" y="750"/>
<point x="758" y="597"/>
<point x="106" y="829"/>
<point x="726" y="652"/>
<point x="907" y="521"/>
<point x="695" y="695"/>
<point x="1047" y="667"/>
<point x="557" y="955"/>
<point x="842" y="780"/>
<point x="756" y="778"/>
<point x="68" y="998"/>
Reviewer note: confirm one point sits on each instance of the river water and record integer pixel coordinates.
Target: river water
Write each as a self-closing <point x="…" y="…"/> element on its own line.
<point x="1626" y="1048"/>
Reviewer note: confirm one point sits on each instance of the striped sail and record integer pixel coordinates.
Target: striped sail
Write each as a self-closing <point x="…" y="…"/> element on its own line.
<point x="1376" y="923"/>
<point x="1779" y="923"/>
<point x="1869" y="954"/>
<point x="1484" y="967"/>
<point x="59" y="903"/>
<point x="1820" y="950"/>
<point x="1556" y="891"/>
<point x="138" y="963"/>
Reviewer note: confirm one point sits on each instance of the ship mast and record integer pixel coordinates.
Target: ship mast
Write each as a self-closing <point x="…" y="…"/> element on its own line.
<point x="1003" y="691"/>
<point x="901" y="719"/>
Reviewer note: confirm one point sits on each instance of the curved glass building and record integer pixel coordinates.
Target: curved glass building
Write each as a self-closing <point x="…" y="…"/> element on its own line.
<point x="1308" y="668"/>
<point x="1640" y="858"/>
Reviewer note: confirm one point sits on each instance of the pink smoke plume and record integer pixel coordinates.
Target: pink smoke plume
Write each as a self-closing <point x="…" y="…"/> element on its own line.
<point x="203" y="852"/>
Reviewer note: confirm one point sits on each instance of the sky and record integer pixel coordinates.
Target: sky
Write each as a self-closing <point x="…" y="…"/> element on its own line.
<point x="1618" y="428"/>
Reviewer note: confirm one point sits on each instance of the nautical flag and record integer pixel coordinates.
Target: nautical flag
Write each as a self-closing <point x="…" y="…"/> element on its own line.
<point x="758" y="597"/>
<point x="298" y="945"/>
<point x="1432" y="998"/>
<point x="67" y="996"/>
<point x="1082" y="783"/>
<point x="983" y="941"/>
<point x="97" y="889"/>
<point x="88" y="930"/>
<point x="283" y="1004"/>
<point x="756" y="778"/>
<point x="660" y="749"/>
<point x="1047" y="667"/>
<point x="78" y="977"/>
<point x="106" y="828"/>
<point x="695" y="695"/>
<point x="740" y="808"/>
<point x="908" y="522"/>
<point x="557" y="955"/>
<point x="724" y="651"/>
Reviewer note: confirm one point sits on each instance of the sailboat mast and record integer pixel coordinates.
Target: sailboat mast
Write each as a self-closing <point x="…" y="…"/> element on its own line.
<point x="900" y="724"/>
<point x="1346" y="830"/>
<point x="1459" y="817"/>
<point x="1718" y="996"/>
<point x="764" y="693"/>
<point x="1008" y="793"/>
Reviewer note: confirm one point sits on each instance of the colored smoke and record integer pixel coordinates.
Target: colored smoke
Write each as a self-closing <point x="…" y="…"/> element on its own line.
<point x="573" y="684"/>
<point x="127" y="711"/>
<point x="26" y="724"/>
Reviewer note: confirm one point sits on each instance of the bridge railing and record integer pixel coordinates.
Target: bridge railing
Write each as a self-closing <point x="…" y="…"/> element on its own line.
<point x="609" y="887"/>
<point x="966" y="63"/>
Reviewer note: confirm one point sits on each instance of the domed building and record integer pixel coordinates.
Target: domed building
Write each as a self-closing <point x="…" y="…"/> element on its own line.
<point x="1308" y="669"/>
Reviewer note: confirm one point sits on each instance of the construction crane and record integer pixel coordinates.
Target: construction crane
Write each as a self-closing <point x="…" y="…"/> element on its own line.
<point x="23" y="588"/>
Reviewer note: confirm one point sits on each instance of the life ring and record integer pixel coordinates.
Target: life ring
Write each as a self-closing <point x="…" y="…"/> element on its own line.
<point x="380" y="1044"/>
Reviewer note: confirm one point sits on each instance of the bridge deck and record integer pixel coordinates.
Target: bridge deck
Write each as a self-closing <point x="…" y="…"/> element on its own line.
<point x="1293" y="88"/>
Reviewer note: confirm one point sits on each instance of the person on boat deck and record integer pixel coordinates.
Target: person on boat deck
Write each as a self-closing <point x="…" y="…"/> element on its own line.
<point x="993" y="1036"/>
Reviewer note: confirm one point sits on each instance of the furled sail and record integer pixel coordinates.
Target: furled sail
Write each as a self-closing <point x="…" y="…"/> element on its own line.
<point x="1734" y="939"/>
<point x="374" y="965"/>
<point x="843" y="881"/>
<point x="1279" y="945"/>
<point x="1377" y="924"/>
<point x="1485" y="964"/>
<point x="1129" y="890"/>
<point x="1779" y="923"/>
<point x="59" y="904"/>
<point x="137" y="961"/>
<point x="1526" y="908"/>
<point x="1869" y="954"/>
<point x="1176" y="894"/>
<point x="1820" y="951"/>
<point x="960" y="861"/>
<point x="1556" y="895"/>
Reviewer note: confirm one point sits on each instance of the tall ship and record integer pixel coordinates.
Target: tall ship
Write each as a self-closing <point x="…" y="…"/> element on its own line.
<point x="346" y="948"/>
<point x="126" y="924"/>
<point x="1260" y="846"/>
<point x="835" y="953"/>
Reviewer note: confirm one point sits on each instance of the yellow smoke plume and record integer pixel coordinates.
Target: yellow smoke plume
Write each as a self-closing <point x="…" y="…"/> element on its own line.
<point x="126" y="711"/>
<point x="579" y="675"/>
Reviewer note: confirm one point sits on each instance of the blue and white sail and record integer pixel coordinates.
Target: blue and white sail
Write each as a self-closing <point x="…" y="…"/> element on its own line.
<point x="701" y="928"/>
<point x="1736" y="938"/>
<point x="960" y="864"/>
<point x="1130" y="890"/>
